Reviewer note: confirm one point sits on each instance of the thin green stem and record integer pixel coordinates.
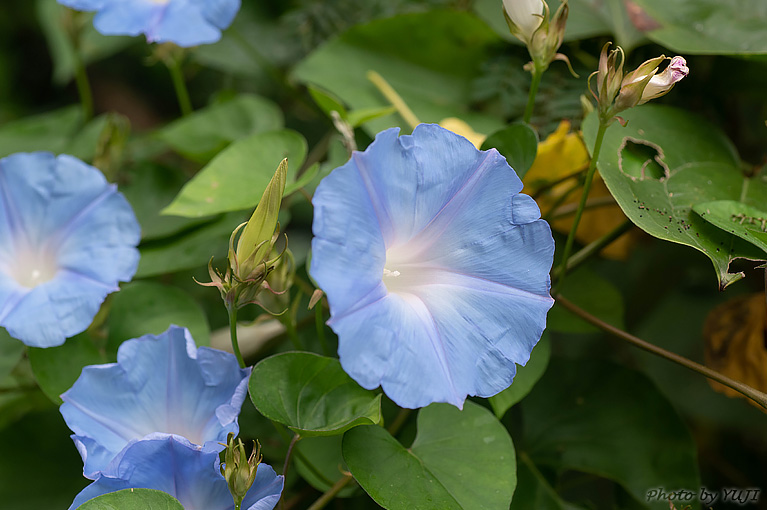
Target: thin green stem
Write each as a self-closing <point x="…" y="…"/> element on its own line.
<point x="745" y="390"/>
<point x="83" y="88"/>
<point x="81" y="75"/>
<point x="593" y="248"/>
<point x="331" y="493"/>
<point x="584" y="196"/>
<point x="399" y="421"/>
<point x="285" y="466"/>
<point x="233" y="333"/>
<point x="182" y="93"/>
<point x="537" y="75"/>
<point x="319" y="323"/>
<point x="290" y="326"/>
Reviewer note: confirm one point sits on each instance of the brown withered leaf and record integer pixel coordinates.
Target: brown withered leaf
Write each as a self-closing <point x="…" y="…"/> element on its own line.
<point x="735" y="335"/>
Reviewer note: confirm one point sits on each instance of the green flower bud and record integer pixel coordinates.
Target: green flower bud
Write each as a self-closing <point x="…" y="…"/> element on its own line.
<point x="256" y="240"/>
<point x="238" y="469"/>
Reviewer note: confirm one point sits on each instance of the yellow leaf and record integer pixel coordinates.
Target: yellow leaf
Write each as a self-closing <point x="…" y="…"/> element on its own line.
<point x="735" y="338"/>
<point x="459" y="127"/>
<point x="563" y="154"/>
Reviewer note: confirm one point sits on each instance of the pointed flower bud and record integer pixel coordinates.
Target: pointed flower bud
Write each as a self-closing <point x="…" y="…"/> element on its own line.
<point x="256" y="239"/>
<point x="238" y="469"/>
<point x="254" y="257"/>
<point x="523" y="17"/>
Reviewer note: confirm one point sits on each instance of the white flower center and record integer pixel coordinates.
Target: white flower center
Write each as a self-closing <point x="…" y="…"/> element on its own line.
<point x="31" y="267"/>
<point x="403" y="272"/>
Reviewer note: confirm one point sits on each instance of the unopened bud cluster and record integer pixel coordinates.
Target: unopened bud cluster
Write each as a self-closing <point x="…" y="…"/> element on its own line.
<point x="530" y="22"/>
<point x="617" y="92"/>
<point x="255" y="264"/>
<point x="238" y="469"/>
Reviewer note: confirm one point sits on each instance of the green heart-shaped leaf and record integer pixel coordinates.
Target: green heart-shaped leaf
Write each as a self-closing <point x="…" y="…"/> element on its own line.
<point x="133" y="499"/>
<point x="311" y="394"/>
<point x="460" y="460"/>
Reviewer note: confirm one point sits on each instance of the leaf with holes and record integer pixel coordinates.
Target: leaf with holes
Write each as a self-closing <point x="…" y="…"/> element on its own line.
<point x="460" y="460"/>
<point x="663" y="163"/>
<point x="311" y="394"/>
<point x="744" y="221"/>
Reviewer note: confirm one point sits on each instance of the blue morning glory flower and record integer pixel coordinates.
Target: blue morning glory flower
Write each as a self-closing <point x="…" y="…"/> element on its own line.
<point x="174" y="465"/>
<point x="160" y="385"/>
<point x="67" y="238"/>
<point x="436" y="268"/>
<point x="184" y="22"/>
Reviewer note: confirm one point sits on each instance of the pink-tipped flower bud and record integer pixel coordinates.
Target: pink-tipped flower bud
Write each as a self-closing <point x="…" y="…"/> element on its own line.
<point x="661" y="83"/>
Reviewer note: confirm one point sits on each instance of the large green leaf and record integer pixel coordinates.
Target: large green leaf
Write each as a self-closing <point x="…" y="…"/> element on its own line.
<point x="311" y="394"/>
<point x="238" y="176"/>
<point x="460" y="460"/>
<point x="57" y="368"/>
<point x="742" y="220"/>
<point x="50" y="131"/>
<point x="603" y="419"/>
<point x="189" y="250"/>
<point x="430" y="59"/>
<point x="525" y="379"/>
<point x="133" y="499"/>
<point x="518" y="143"/>
<point x="665" y="162"/>
<point x="146" y="308"/>
<point x="707" y="26"/>
<point x="206" y="132"/>
<point x="149" y="188"/>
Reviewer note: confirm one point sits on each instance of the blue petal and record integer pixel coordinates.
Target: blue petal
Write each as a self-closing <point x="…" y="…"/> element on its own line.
<point x="184" y="24"/>
<point x="42" y="193"/>
<point x="102" y="246"/>
<point x="159" y="384"/>
<point x="348" y="252"/>
<point x="54" y="311"/>
<point x="219" y="12"/>
<point x="172" y="464"/>
<point x="128" y="17"/>
<point x="393" y="343"/>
